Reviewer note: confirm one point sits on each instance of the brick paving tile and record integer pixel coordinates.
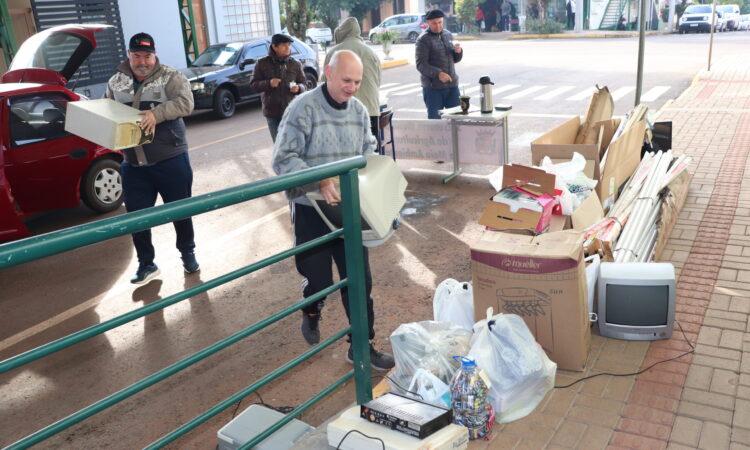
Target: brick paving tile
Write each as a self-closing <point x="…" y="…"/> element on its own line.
<point x="686" y="431"/>
<point x="619" y="388"/>
<point x="568" y="434"/>
<point x="595" y="437"/>
<point x="741" y="435"/>
<point x="724" y="382"/>
<point x="633" y="441"/>
<point x="714" y="436"/>
<point x="742" y="417"/>
<point x="704" y="412"/>
<point x="656" y="416"/>
<point x="654" y="401"/>
<point x="643" y="428"/>
<point x="594" y="416"/>
<point x="708" y="398"/>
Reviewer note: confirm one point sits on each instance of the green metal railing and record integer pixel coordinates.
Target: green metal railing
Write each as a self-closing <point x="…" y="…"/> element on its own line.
<point x="52" y="243"/>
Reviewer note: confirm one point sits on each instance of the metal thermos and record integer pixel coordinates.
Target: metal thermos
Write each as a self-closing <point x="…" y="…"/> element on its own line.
<point x="485" y="95"/>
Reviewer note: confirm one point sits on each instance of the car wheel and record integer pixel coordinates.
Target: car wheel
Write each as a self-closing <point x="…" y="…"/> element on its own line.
<point x="101" y="186"/>
<point x="310" y="81"/>
<point x="224" y="104"/>
<point x="413" y="36"/>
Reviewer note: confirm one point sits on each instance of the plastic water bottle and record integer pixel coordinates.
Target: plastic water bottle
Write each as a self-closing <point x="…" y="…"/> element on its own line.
<point x="470" y="399"/>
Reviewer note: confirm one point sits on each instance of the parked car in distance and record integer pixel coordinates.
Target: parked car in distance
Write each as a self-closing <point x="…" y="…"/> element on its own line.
<point x="42" y="166"/>
<point x="744" y="22"/>
<point x="316" y="33"/>
<point x="698" y="18"/>
<point x="731" y="15"/>
<point x="220" y="76"/>
<point x="408" y="26"/>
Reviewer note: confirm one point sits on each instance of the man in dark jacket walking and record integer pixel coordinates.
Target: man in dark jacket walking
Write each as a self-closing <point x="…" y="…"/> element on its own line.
<point x="279" y="79"/>
<point x="436" y="56"/>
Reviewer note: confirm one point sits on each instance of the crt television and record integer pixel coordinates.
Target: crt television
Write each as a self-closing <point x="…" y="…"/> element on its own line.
<point x="636" y="300"/>
<point x="381" y="197"/>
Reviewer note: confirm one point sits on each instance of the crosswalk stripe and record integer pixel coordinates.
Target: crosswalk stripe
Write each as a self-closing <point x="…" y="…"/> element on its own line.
<point x="524" y="92"/>
<point x="408" y="91"/>
<point x="471" y="90"/>
<point x="586" y="93"/>
<point x="654" y="93"/>
<point x="507" y="87"/>
<point x="622" y="92"/>
<point x="554" y="93"/>
<point x="396" y="88"/>
<point x="387" y="85"/>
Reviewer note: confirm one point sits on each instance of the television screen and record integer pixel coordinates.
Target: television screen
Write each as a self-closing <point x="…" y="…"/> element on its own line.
<point x="635" y="305"/>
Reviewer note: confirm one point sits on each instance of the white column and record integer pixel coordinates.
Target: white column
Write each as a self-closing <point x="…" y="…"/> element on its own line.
<point x="671" y="15"/>
<point x="579" y="16"/>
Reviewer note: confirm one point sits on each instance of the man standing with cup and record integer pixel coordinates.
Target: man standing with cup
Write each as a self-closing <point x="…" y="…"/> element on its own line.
<point x="279" y="79"/>
<point x="437" y="54"/>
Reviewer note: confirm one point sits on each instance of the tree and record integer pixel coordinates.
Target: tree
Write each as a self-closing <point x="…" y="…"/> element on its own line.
<point x="326" y="11"/>
<point x="296" y="15"/>
<point x="466" y="12"/>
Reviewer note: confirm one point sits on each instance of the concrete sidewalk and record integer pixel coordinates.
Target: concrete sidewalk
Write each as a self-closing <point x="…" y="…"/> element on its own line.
<point x="701" y="400"/>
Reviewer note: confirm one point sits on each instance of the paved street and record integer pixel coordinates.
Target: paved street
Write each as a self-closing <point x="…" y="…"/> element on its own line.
<point x="51" y="298"/>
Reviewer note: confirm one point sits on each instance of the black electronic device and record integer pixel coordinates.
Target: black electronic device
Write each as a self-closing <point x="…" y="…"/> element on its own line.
<point x="503" y="107"/>
<point x="407" y="415"/>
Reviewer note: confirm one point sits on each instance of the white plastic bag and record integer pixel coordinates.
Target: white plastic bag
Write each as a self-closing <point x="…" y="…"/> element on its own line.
<point x="571" y="180"/>
<point x="426" y="345"/>
<point x="520" y="372"/>
<point x="430" y="388"/>
<point x="454" y="303"/>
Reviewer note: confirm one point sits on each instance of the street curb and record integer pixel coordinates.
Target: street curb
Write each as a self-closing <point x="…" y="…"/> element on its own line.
<point x="395" y="63"/>
<point x="584" y="36"/>
<point x="461" y="37"/>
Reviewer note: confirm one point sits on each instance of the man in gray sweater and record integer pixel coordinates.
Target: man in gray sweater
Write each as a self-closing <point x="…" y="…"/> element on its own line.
<point x="324" y="125"/>
<point x="436" y="57"/>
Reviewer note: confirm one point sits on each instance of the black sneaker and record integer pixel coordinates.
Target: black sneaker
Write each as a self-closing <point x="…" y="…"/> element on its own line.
<point x="310" y="330"/>
<point x="145" y="274"/>
<point x="378" y="360"/>
<point x="190" y="263"/>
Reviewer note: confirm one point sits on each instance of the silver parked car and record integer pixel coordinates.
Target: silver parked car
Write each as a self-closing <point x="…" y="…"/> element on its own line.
<point x="409" y="26"/>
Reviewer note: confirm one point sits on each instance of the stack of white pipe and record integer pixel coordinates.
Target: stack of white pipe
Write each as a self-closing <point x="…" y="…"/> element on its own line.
<point x="638" y="238"/>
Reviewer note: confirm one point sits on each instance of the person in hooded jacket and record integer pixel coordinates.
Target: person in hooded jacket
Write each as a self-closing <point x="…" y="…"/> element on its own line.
<point x="279" y="79"/>
<point x="348" y="37"/>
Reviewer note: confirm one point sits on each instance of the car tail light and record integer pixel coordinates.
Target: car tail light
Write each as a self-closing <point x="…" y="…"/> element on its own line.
<point x="422" y="25"/>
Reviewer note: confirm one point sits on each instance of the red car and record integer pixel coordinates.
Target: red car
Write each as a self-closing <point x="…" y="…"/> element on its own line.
<point x="43" y="167"/>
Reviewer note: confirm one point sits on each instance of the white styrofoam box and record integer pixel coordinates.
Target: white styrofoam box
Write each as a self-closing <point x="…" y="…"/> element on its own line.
<point x="253" y="421"/>
<point x="105" y="122"/>
<point x="451" y="437"/>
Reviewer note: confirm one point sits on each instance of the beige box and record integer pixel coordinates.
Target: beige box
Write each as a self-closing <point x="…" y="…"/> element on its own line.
<point x="542" y="279"/>
<point x="106" y="122"/>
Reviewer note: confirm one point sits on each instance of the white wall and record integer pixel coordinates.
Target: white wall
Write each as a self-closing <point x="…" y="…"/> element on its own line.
<point x="162" y="21"/>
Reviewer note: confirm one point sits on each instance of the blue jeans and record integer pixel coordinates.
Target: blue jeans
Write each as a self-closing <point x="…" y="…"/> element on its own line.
<point x="273" y="127"/>
<point x="437" y="99"/>
<point x="173" y="180"/>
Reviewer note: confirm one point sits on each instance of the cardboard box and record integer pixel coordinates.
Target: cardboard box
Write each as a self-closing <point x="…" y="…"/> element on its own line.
<point x="106" y="122"/>
<point x="542" y="279"/>
<point x="559" y="145"/>
<point x="535" y="181"/>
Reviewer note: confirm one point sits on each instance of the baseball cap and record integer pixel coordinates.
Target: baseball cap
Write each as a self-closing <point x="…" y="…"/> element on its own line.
<point x="142" y="42"/>
<point x="279" y="38"/>
<point x="434" y="14"/>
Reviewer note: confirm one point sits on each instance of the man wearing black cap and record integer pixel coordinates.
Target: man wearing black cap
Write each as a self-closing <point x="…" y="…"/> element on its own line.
<point x="279" y="79"/>
<point x="436" y="55"/>
<point x="163" y="96"/>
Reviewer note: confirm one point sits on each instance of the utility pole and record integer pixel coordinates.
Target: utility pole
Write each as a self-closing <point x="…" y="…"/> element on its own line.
<point x="641" y="45"/>
<point x="711" y="41"/>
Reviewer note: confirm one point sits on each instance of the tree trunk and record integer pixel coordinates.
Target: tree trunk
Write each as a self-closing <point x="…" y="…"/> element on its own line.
<point x="542" y="10"/>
